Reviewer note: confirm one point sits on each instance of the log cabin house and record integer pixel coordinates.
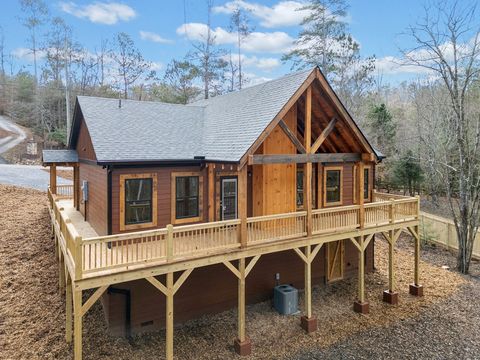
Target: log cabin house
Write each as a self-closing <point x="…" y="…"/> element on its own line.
<point x="198" y="207"/>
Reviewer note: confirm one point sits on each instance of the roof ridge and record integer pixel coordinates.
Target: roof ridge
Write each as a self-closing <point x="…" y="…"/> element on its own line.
<point x="253" y="86"/>
<point x="139" y="101"/>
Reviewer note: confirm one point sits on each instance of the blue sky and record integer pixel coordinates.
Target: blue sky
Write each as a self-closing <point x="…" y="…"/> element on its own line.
<point x="157" y="27"/>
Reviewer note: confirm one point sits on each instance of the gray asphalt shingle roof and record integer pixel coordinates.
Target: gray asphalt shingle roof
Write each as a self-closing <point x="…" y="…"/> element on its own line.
<point x="221" y="128"/>
<point x="59" y="156"/>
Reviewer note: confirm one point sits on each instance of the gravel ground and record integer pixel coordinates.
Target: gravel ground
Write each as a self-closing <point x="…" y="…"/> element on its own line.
<point x="29" y="176"/>
<point x="445" y="330"/>
<point x="32" y="311"/>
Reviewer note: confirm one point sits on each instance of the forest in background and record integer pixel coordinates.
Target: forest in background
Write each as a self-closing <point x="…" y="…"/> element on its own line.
<point x="428" y="129"/>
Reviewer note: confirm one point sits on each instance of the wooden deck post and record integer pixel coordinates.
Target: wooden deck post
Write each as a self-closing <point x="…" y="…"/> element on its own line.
<point x="242" y="204"/>
<point x="68" y="308"/>
<point x="61" y="271"/>
<point x="391" y="296"/>
<point x="76" y="186"/>
<point x="211" y="192"/>
<point x="53" y="179"/>
<point x="77" y="324"/>
<point x="361" y="305"/>
<point x="361" y="192"/>
<point x="307" y="186"/>
<point x="169" y="242"/>
<point x="169" y="317"/>
<point x="308" y="322"/>
<point x="416" y="289"/>
<point x="242" y="344"/>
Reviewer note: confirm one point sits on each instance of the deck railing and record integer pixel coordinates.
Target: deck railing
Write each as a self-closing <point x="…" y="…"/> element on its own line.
<point x="64" y="191"/>
<point x="176" y="243"/>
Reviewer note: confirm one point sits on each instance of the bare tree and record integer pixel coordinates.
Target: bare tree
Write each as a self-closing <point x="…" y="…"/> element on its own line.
<point x="2" y="52"/>
<point x="239" y="23"/>
<point x="447" y="42"/>
<point x="209" y="59"/>
<point x="130" y="63"/>
<point x="35" y="15"/>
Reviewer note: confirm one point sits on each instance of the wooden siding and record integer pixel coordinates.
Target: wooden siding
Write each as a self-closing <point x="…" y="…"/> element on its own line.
<point x="213" y="289"/>
<point x="275" y="184"/>
<point x="164" y="195"/>
<point x="84" y="143"/>
<point x="96" y="206"/>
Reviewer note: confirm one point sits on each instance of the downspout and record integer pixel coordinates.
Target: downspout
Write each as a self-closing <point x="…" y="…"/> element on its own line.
<point x="128" y="306"/>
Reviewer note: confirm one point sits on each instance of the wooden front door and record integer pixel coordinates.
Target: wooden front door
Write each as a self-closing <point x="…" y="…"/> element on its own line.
<point x="335" y="260"/>
<point x="228" y="198"/>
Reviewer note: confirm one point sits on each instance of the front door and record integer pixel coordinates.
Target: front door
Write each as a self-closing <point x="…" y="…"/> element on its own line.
<point x="335" y="260"/>
<point x="228" y="198"/>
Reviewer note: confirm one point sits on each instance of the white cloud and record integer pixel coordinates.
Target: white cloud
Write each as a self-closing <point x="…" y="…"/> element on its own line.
<point x="151" y="36"/>
<point x="265" y="64"/>
<point x="269" y="42"/>
<point x="26" y="54"/>
<point x="156" y="66"/>
<point x="284" y="13"/>
<point x="391" y="65"/>
<point x="108" y="13"/>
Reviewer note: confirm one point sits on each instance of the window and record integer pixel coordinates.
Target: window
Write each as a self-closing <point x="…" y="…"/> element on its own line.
<point x="299" y="188"/>
<point x="187" y="189"/>
<point x="366" y="183"/>
<point x="186" y="197"/>
<point x="138" y="201"/>
<point x="333" y="186"/>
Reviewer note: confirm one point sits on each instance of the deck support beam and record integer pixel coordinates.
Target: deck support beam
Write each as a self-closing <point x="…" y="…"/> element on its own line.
<point x="391" y="296"/>
<point x="68" y="308"/>
<point x="242" y="344"/>
<point x="53" y="179"/>
<point x="169" y="317"/>
<point x="76" y="186"/>
<point x="77" y="324"/>
<point x="361" y="305"/>
<point x="416" y="289"/>
<point x="169" y="291"/>
<point x="61" y="269"/>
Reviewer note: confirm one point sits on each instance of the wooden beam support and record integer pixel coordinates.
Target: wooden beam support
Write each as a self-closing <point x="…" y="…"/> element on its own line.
<point x="242" y="204"/>
<point x="169" y="317"/>
<point x="355" y="242"/>
<point x="232" y="268"/>
<point x="308" y="283"/>
<point x="241" y="301"/>
<point x="61" y="270"/>
<point x="361" y="193"/>
<point x="92" y="299"/>
<point x="323" y="135"/>
<point x="303" y="158"/>
<point x="361" y="271"/>
<point x="77" y="324"/>
<point x="68" y="309"/>
<point x="211" y="193"/>
<point x="391" y="275"/>
<point x="53" y="179"/>
<point x="158" y="285"/>
<point x="315" y="251"/>
<point x="416" y="272"/>
<point x="182" y="278"/>
<point x="293" y="138"/>
<point x="251" y="264"/>
<point x="76" y="186"/>
<point x="301" y="255"/>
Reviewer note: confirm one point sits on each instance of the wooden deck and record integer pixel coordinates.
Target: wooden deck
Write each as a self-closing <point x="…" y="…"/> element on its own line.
<point x="88" y="255"/>
<point x="88" y="261"/>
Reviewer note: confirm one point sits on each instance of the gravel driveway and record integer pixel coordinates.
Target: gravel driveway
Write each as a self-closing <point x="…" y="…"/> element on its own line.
<point x="10" y="141"/>
<point x="28" y="176"/>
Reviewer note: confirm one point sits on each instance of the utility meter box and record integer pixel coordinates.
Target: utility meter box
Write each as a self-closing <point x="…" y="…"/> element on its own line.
<point x="84" y="190"/>
<point x="285" y="299"/>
